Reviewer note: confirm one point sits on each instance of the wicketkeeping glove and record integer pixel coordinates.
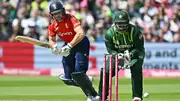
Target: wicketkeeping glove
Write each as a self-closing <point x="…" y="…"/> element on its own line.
<point x="127" y="59"/>
<point x="120" y="60"/>
<point x="124" y="60"/>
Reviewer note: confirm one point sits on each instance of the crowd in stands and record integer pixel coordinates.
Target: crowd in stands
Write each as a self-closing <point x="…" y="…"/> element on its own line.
<point x="158" y="19"/>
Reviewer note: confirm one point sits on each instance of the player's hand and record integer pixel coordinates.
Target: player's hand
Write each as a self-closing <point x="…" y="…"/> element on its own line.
<point x="55" y="49"/>
<point x="127" y="56"/>
<point x="65" y="51"/>
<point x="121" y="60"/>
<point x="124" y="60"/>
<point x="120" y="55"/>
<point x="130" y="64"/>
<point x="127" y="60"/>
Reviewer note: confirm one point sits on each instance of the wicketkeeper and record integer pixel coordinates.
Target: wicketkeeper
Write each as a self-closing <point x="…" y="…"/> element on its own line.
<point x="127" y="41"/>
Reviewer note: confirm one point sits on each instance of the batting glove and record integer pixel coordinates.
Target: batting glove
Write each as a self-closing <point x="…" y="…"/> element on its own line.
<point x="65" y="51"/>
<point x="55" y="50"/>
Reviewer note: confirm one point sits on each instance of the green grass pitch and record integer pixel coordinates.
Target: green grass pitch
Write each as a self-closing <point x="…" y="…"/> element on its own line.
<point x="45" y="88"/>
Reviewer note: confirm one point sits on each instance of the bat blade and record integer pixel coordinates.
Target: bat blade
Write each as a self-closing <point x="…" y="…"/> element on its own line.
<point x="30" y="40"/>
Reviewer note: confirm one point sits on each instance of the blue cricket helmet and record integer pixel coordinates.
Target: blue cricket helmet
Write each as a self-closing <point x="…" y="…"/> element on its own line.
<point x="56" y="7"/>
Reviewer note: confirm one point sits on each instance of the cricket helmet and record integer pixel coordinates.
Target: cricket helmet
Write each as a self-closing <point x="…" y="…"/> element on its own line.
<point x="56" y="8"/>
<point x="121" y="20"/>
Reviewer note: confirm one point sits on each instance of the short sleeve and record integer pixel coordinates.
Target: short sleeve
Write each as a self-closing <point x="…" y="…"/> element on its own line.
<point x="50" y="31"/>
<point x="75" y="22"/>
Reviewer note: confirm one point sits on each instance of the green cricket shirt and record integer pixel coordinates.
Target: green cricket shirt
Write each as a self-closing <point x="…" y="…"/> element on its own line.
<point x="132" y="40"/>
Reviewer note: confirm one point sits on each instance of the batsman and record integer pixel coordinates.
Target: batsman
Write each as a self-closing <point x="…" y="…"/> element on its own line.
<point x="127" y="41"/>
<point x="75" y="50"/>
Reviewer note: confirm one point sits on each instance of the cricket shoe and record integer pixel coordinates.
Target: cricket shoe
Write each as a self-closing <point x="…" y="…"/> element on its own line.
<point x="98" y="98"/>
<point x="90" y="78"/>
<point x="91" y="98"/>
<point x="61" y="77"/>
<point x="137" y="99"/>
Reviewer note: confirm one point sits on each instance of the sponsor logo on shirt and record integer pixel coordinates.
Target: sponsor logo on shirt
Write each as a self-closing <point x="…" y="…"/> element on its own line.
<point x="124" y="46"/>
<point x="64" y="34"/>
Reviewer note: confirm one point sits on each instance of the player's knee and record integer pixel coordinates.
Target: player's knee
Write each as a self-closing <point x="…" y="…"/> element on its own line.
<point x="64" y="61"/>
<point x="78" y="76"/>
<point x="68" y="82"/>
<point x="82" y="63"/>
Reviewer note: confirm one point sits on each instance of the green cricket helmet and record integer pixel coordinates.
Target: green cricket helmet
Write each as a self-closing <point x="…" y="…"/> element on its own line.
<point x="121" y="20"/>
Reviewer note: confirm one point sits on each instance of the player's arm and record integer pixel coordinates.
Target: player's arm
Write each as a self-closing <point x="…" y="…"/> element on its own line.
<point x="52" y="36"/>
<point x="79" y="31"/>
<point x="138" y="53"/>
<point x="109" y="43"/>
<point x="52" y="42"/>
<point x="78" y="37"/>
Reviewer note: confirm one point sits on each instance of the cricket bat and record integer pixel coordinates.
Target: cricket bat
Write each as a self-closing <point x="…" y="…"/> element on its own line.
<point x="30" y="40"/>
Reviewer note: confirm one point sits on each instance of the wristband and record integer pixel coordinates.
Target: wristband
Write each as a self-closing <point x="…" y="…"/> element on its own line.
<point x="55" y="45"/>
<point x="70" y="46"/>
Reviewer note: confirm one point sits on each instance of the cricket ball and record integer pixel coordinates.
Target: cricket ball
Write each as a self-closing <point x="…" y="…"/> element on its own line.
<point x="146" y="95"/>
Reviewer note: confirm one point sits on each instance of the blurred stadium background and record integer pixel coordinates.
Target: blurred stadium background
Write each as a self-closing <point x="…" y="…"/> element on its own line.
<point x="29" y="73"/>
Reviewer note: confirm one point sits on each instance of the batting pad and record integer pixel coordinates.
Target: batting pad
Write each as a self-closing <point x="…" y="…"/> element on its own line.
<point x="84" y="83"/>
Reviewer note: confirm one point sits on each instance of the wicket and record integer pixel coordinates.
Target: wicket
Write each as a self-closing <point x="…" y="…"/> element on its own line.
<point x="110" y="77"/>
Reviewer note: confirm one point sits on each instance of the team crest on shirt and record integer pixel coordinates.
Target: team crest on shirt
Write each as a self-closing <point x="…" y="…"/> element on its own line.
<point x="140" y="36"/>
<point x="120" y="16"/>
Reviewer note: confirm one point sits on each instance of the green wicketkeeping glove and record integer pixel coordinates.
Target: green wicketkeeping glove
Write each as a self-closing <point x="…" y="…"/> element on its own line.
<point x="125" y="61"/>
<point x="130" y="64"/>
